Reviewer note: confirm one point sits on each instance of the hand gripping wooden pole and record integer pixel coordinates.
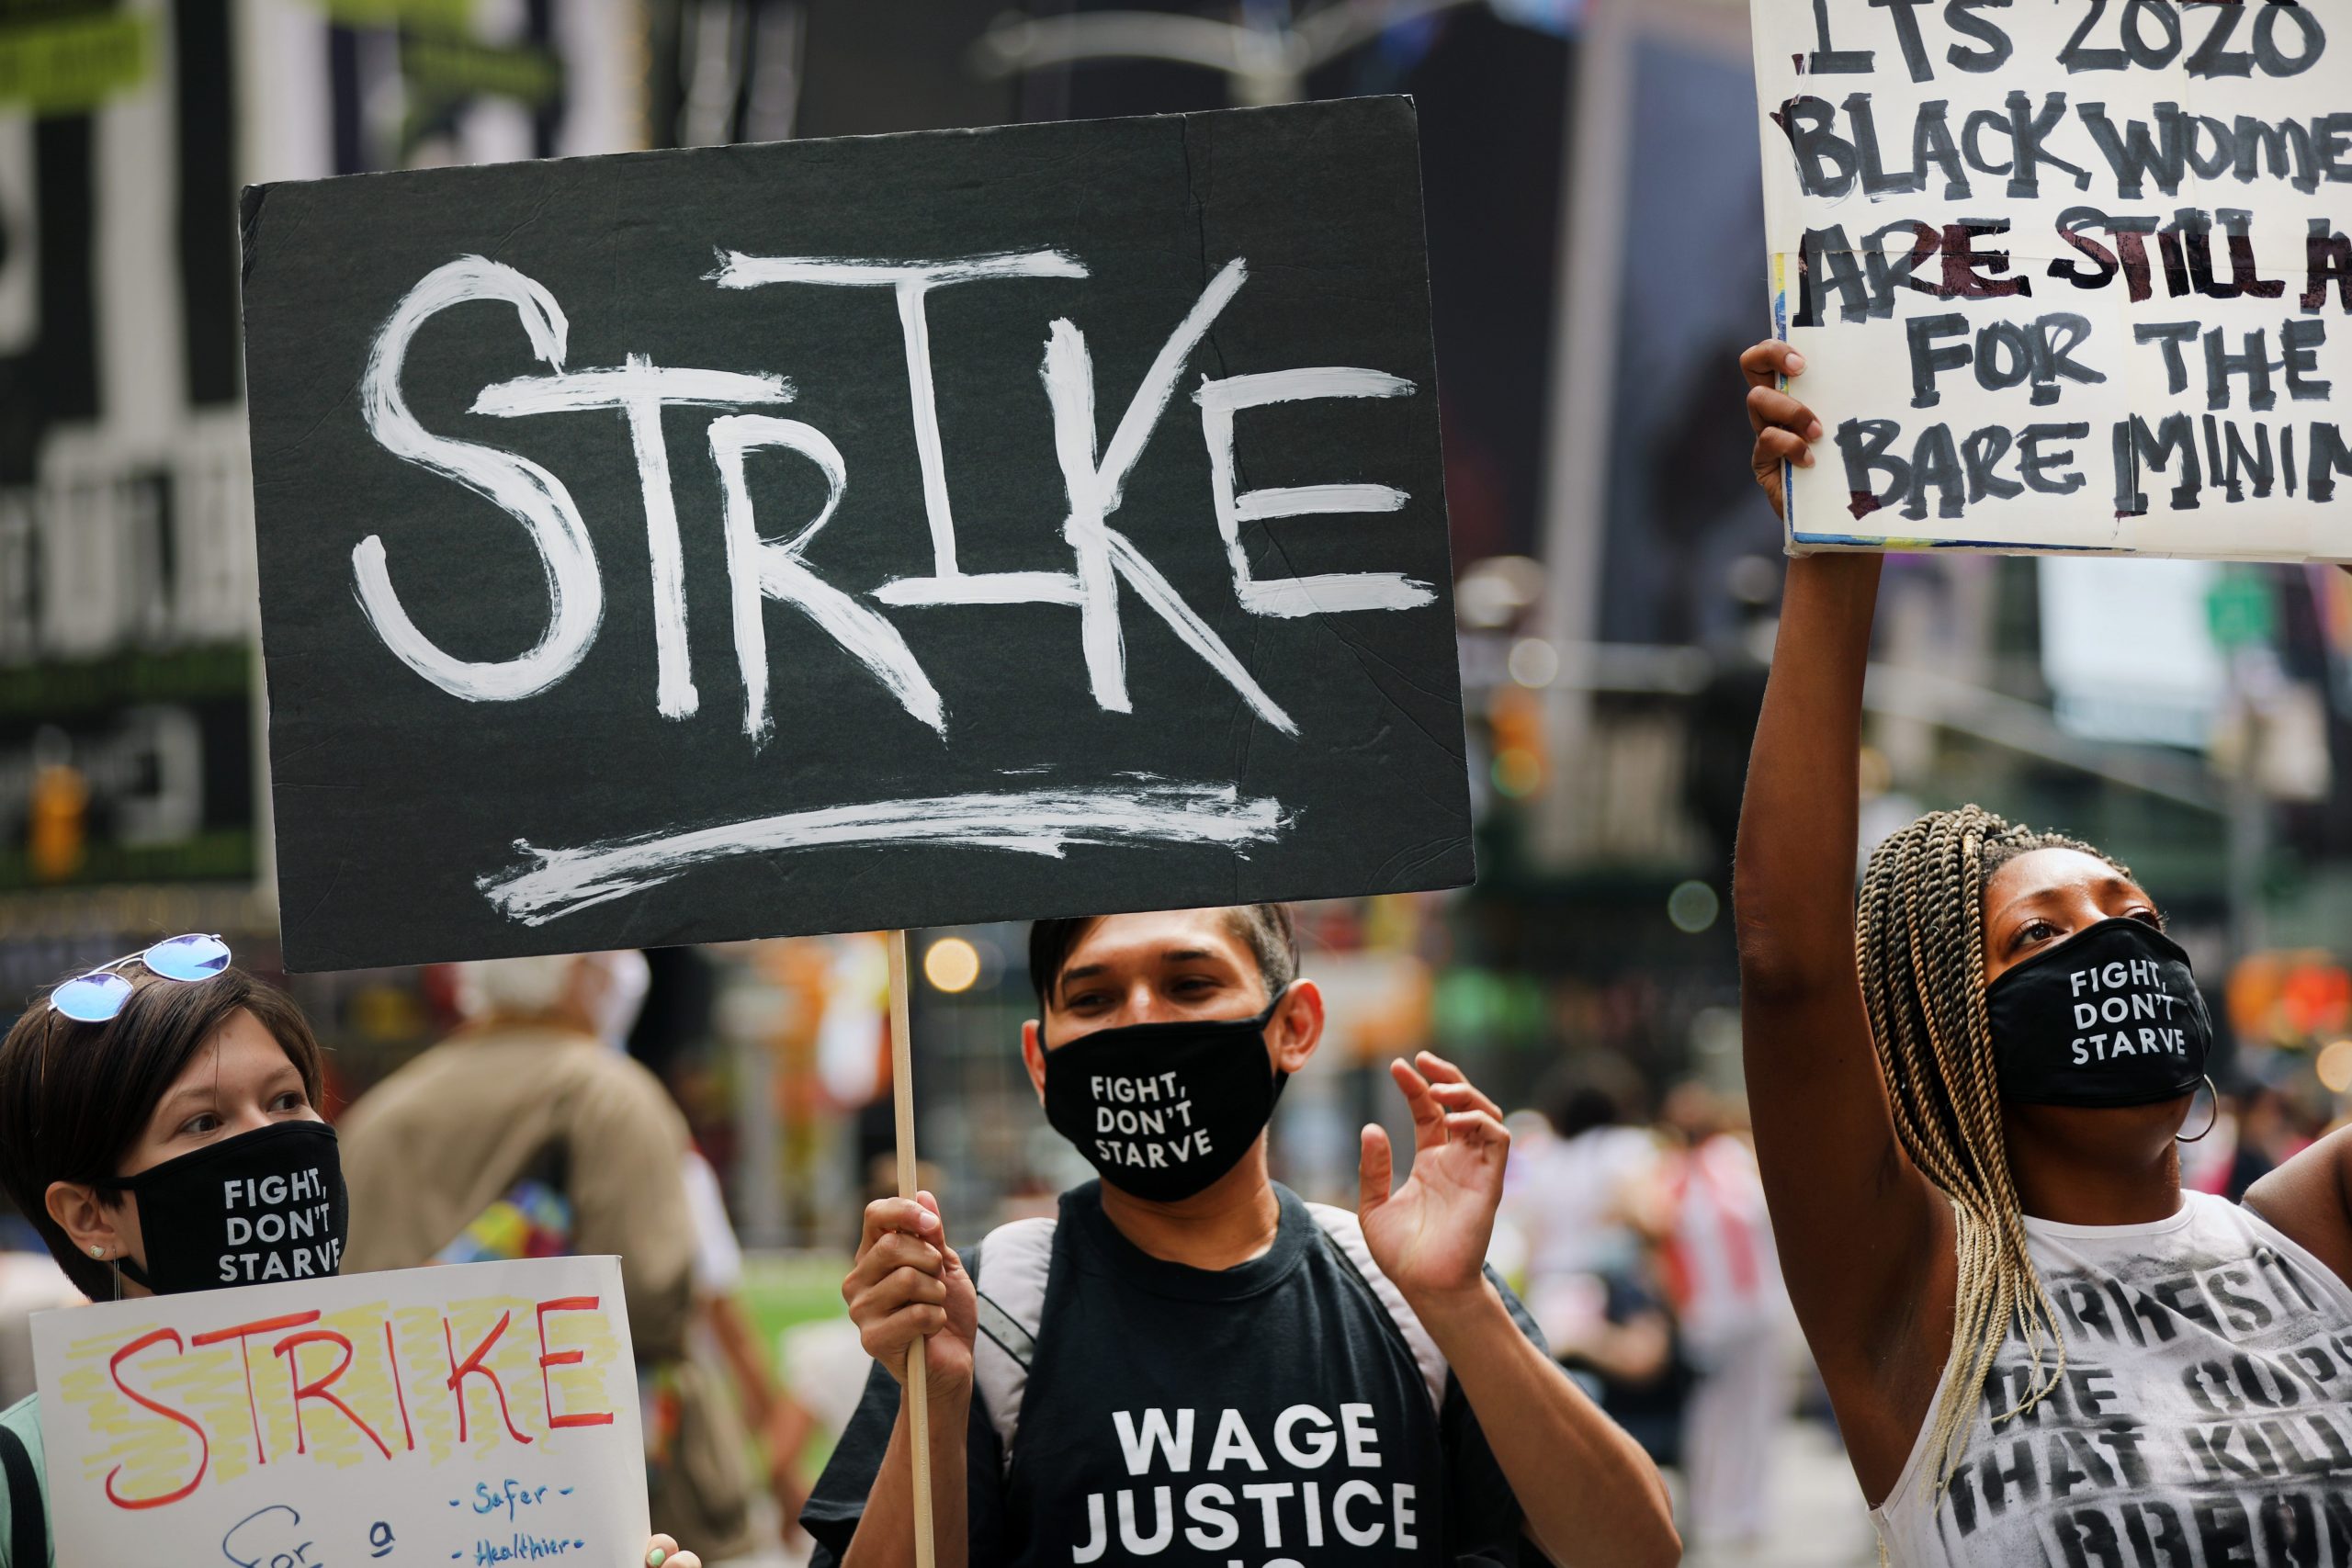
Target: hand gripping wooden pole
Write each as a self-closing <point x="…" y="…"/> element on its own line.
<point x="902" y="1098"/>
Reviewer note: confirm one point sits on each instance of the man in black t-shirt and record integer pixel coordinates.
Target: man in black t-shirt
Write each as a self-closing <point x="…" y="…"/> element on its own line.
<point x="1193" y="1366"/>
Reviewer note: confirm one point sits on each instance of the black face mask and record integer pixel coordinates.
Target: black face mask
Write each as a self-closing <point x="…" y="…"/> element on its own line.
<point x="2110" y="1016"/>
<point x="252" y="1210"/>
<point x="1163" y="1110"/>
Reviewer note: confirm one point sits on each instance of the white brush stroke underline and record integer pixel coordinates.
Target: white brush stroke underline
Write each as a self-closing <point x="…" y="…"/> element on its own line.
<point x="1039" y="822"/>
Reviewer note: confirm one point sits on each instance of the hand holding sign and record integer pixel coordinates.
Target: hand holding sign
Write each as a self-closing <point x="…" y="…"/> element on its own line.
<point x="1430" y="1235"/>
<point x="908" y="1285"/>
<point x="1785" y="429"/>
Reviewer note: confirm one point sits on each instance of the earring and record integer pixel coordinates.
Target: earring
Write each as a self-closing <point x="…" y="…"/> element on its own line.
<point x="97" y="1252"/>
<point x="2214" y="1098"/>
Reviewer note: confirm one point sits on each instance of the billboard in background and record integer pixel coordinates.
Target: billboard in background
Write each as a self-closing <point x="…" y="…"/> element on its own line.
<point x="2128" y="648"/>
<point x="1677" y="507"/>
<point x="129" y="749"/>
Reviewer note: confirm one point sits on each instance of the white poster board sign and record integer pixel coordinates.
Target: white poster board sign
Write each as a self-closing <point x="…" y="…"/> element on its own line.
<point x="2066" y="276"/>
<point x="476" y="1415"/>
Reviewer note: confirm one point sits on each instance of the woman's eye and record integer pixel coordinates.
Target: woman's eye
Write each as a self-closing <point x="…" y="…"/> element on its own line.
<point x="293" y="1100"/>
<point x="2033" y="932"/>
<point x="2149" y="917"/>
<point x="201" y="1124"/>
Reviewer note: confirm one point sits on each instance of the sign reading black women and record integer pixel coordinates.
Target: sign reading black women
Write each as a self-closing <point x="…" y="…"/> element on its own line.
<point x="2065" y="276"/>
<point x="678" y="547"/>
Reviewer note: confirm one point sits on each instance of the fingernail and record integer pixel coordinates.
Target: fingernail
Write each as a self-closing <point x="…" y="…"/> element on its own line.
<point x="1804" y="460"/>
<point x="655" y="1557"/>
<point x="1795" y="363"/>
<point x="1813" y="431"/>
<point x="927" y="1220"/>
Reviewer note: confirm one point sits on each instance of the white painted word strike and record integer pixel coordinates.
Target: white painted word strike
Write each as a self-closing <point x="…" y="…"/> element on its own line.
<point x="677" y="546"/>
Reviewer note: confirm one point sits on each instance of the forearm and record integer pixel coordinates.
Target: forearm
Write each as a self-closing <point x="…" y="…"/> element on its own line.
<point x="738" y="1342"/>
<point x="886" y="1531"/>
<point x="1589" y="1494"/>
<point x="1792" y="877"/>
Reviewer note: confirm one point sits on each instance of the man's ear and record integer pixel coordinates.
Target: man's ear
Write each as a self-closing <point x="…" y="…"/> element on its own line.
<point x="86" y="1222"/>
<point x="1298" y="1026"/>
<point x="1033" y="1056"/>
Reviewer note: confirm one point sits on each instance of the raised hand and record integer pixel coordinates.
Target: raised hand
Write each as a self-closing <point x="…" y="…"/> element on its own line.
<point x="1785" y="429"/>
<point x="1429" y="1235"/>
<point x="908" y="1284"/>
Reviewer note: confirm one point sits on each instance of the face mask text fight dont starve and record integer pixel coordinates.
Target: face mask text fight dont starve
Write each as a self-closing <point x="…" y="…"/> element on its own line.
<point x="252" y="1210"/>
<point x="1164" y="1110"/>
<point x="2110" y="1016"/>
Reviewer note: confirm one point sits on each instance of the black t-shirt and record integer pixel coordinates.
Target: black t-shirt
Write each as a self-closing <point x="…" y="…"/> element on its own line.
<point x="1270" y="1411"/>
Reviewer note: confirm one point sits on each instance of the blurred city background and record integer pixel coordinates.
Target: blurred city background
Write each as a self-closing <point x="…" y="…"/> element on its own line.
<point x="1596" y="243"/>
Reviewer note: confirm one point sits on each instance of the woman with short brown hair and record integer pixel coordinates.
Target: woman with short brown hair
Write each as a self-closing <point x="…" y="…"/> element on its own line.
<point x="132" y="1097"/>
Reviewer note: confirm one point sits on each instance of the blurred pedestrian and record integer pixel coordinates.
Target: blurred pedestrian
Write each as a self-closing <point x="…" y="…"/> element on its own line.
<point x="678" y="992"/>
<point x="724" y="1319"/>
<point x="1587" y="1209"/>
<point x="1586" y="1199"/>
<point x="1969" y="1089"/>
<point x="526" y="1134"/>
<point x="1723" y="1278"/>
<point x="127" y="1096"/>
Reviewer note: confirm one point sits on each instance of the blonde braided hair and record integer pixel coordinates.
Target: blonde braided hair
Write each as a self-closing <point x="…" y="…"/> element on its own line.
<point x="1919" y="945"/>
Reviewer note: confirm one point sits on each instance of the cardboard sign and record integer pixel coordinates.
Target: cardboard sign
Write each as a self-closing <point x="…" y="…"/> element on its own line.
<point x="481" y="1413"/>
<point x="681" y="547"/>
<point x="2067" y="277"/>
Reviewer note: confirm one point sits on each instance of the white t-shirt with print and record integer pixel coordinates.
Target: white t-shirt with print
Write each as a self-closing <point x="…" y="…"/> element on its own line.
<point x="2205" y="1416"/>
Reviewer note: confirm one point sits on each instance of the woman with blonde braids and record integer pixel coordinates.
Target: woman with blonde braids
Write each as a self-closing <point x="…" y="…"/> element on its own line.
<point x="1967" y="1091"/>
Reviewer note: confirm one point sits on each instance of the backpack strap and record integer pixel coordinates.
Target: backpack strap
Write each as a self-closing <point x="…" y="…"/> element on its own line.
<point x="1343" y="1232"/>
<point x="1010" y="1283"/>
<point x="27" y="1520"/>
<point x="1015" y="1260"/>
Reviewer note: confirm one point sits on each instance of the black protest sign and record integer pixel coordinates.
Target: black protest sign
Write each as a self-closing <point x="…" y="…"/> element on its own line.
<point x="681" y="547"/>
<point x="2067" y="276"/>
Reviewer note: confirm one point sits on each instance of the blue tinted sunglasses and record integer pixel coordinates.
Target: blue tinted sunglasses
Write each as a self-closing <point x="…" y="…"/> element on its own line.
<point x="98" y="995"/>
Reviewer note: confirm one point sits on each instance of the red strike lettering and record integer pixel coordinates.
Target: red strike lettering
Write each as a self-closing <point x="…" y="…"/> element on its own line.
<point x="203" y="1458"/>
<point x="291" y="1349"/>
<point x="239" y="1333"/>
<point x="392" y="1359"/>
<point x="472" y="1366"/>
<point x="566" y="1358"/>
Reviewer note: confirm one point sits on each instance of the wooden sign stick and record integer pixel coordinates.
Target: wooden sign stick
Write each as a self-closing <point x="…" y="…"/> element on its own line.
<point x="902" y="1098"/>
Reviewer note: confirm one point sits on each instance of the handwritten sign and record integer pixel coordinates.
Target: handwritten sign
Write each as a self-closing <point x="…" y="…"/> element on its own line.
<point x="477" y="1414"/>
<point x="681" y="547"/>
<point x="2067" y="276"/>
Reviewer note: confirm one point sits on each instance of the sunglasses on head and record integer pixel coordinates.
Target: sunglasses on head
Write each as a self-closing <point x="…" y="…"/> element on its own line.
<point x="98" y="995"/>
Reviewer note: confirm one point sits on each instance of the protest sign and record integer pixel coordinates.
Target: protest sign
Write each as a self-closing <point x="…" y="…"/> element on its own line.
<point x="480" y="1413"/>
<point x="2065" y="276"/>
<point x="908" y="530"/>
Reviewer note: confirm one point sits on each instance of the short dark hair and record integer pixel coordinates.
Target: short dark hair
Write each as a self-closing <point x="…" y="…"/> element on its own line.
<point x="75" y="1097"/>
<point x="1268" y="930"/>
